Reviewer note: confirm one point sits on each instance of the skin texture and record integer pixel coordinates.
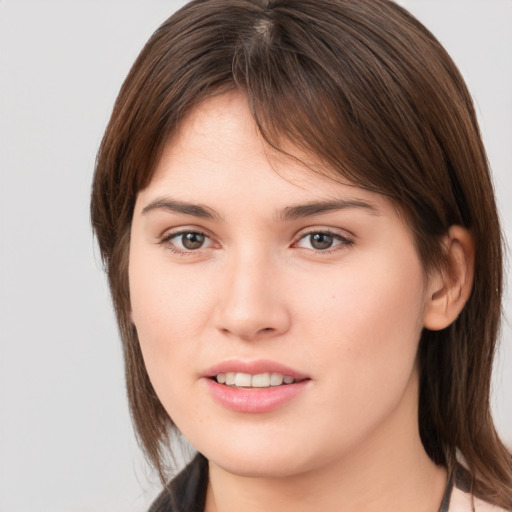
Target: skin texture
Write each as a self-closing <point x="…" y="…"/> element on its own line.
<point x="349" y="317"/>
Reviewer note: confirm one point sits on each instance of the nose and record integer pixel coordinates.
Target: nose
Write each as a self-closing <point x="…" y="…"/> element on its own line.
<point x="252" y="300"/>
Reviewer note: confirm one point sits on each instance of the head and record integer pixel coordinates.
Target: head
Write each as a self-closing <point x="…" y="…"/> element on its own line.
<point x="355" y="92"/>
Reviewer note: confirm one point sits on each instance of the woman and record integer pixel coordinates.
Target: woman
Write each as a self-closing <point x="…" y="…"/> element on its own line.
<point x="298" y="224"/>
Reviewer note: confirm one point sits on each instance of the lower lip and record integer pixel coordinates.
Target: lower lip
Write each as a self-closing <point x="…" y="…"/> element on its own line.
<point x="254" y="400"/>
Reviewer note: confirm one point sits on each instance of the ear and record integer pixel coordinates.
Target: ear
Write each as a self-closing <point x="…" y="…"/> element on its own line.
<point x="449" y="288"/>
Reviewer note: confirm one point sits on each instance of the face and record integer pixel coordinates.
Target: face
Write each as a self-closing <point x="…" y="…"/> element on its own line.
<point x="278" y="312"/>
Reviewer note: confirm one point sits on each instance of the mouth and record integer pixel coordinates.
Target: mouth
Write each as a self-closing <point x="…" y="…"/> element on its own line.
<point x="258" y="380"/>
<point x="254" y="386"/>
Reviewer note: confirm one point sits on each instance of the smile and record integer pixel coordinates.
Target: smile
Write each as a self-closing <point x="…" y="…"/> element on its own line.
<point x="257" y="386"/>
<point x="260" y="380"/>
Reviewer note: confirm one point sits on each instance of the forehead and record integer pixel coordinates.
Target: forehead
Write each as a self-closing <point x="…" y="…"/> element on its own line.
<point x="218" y="155"/>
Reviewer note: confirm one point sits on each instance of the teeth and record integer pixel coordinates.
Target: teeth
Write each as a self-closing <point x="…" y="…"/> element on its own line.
<point x="242" y="380"/>
<point x="260" y="380"/>
<point x="276" y="379"/>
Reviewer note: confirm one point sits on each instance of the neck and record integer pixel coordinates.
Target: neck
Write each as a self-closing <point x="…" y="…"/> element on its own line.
<point x="418" y="485"/>
<point x="389" y="472"/>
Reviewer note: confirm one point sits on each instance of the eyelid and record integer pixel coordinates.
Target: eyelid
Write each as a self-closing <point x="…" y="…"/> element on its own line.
<point x="169" y="232"/>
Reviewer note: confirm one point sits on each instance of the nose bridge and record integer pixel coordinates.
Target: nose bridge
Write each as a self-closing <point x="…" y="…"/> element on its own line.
<point x="252" y="303"/>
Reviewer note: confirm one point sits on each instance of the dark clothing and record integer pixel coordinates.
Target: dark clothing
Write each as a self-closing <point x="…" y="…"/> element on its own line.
<point x="187" y="492"/>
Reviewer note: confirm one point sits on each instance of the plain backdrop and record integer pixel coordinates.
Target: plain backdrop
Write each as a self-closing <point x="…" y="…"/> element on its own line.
<point x="66" y="442"/>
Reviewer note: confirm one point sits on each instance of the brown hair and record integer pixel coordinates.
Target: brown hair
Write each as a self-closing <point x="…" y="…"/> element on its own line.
<point x="368" y="90"/>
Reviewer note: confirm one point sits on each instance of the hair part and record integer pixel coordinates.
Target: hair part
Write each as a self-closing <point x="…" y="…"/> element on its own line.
<point x="371" y="94"/>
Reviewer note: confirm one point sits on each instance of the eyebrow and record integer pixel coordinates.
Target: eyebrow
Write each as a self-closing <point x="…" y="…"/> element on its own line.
<point x="319" y="207"/>
<point x="174" y="206"/>
<point x="288" y="213"/>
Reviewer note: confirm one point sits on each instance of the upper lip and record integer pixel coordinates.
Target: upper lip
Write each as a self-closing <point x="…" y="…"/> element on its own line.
<point x="253" y="367"/>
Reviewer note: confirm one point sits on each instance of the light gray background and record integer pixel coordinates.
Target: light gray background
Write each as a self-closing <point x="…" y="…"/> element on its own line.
<point x="66" y="442"/>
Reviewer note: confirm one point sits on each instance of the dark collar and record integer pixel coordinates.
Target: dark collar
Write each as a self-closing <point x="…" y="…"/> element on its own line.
<point x="187" y="491"/>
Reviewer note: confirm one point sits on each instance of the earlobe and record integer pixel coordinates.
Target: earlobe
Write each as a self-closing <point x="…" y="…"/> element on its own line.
<point x="449" y="288"/>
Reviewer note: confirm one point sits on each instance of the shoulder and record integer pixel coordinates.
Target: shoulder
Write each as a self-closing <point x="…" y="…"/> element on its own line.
<point x="463" y="502"/>
<point x="187" y="491"/>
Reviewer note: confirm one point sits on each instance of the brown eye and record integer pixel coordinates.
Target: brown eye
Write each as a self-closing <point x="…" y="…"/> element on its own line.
<point x="187" y="242"/>
<point x="321" y="241"/>
<point x="192" y="241"/>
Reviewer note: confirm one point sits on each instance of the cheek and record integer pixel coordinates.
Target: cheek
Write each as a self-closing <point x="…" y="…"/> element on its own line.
<point x="168" y="315"/>
<point x="362" y="340"/>
<point x="168" y="310"/>
<point x="371" y="320"/>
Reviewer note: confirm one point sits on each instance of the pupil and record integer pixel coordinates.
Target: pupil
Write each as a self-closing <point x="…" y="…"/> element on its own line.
<point x="321" y="241"/>
<point x="192" y="240"/>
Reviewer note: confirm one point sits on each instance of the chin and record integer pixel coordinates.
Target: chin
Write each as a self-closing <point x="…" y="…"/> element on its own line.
<point x="260" y="458"/>
<point x="259" y="467"/>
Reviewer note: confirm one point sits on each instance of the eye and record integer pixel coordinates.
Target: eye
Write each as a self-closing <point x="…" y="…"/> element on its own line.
<point x="322" y="241"/>
<point x="187" y="241"/>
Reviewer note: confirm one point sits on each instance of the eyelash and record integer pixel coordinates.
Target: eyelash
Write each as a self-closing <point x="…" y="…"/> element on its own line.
<point x="343" y="241"/>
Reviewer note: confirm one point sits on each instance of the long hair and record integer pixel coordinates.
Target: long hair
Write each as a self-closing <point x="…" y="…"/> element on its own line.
<point x="368" y="90"/>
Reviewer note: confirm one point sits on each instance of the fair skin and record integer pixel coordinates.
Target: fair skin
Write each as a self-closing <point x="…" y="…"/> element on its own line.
<point x="227" y="267"/>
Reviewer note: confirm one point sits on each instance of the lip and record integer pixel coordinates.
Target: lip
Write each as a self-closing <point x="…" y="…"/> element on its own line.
<point x="254" y="400"/>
